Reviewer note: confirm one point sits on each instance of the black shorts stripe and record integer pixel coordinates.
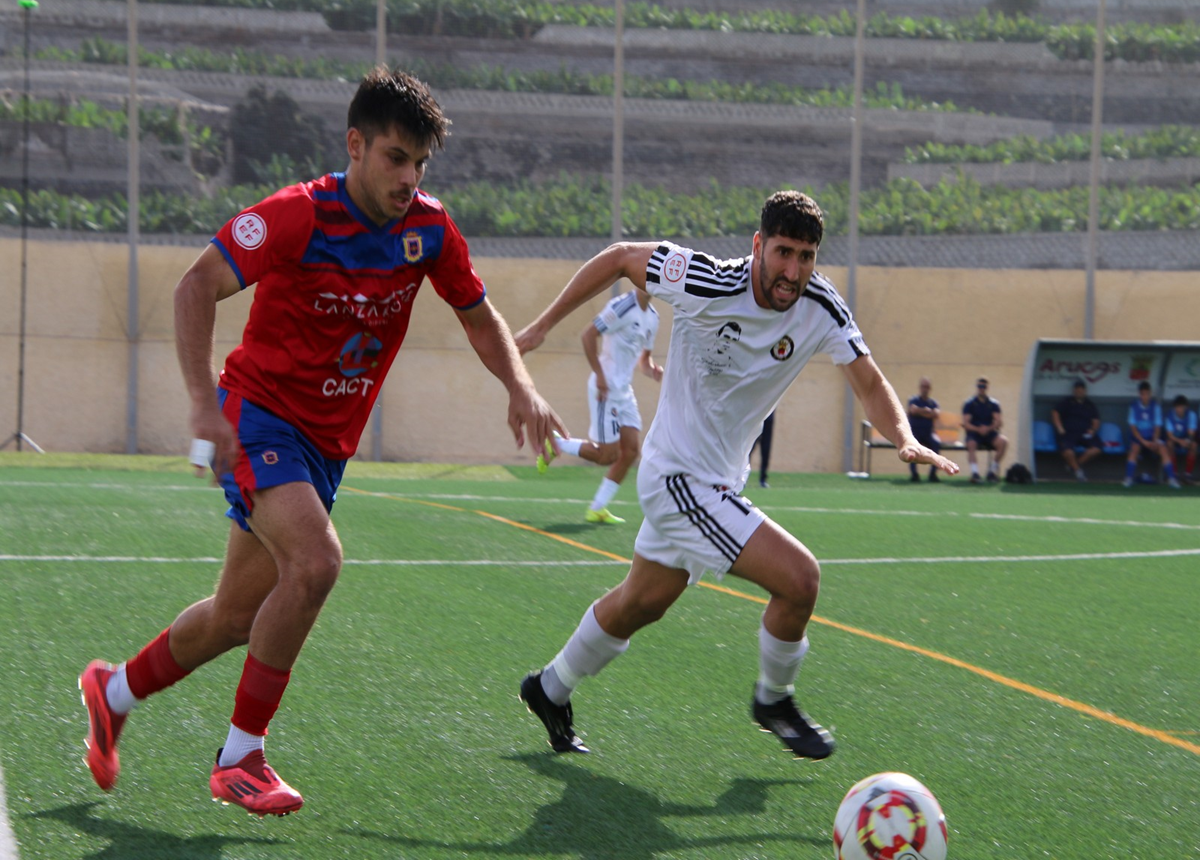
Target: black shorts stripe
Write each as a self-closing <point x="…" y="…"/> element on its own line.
<point x="686" y="502"/>
<point x="603" y="422"/>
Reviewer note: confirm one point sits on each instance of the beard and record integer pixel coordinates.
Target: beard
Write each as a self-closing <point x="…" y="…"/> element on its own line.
<point x="777" y="303"/>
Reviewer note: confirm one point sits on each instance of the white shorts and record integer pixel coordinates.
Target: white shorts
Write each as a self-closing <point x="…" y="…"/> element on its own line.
<point x="619" y="409"/>
<point x="692" y="525"/>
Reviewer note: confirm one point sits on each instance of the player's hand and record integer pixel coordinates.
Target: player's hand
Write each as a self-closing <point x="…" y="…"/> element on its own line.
<point x="529" y="338"/>
<point x="601" y="388"/>
<point x="208" y="423"/>
<point x="529" y="414"/>
<point x="917" y="453"/>
<point x="657" y="373"/>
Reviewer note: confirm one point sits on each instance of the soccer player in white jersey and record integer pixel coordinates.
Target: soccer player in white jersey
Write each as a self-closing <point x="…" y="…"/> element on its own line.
<point x="742" y="331"/>
<point x="628" y="325"/>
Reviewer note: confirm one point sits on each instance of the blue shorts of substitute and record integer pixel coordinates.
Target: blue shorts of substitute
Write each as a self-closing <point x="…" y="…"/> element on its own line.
<point x="273" y="453"/>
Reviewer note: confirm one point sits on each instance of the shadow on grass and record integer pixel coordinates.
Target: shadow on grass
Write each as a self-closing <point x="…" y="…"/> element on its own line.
<point x="601" y="818"/>
<point x="127" y="842"/>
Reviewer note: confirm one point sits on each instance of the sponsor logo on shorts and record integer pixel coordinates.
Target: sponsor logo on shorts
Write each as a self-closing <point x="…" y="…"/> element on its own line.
<point x="249" y="230"/>
<point x="270" y="458"/>
<point x="783" y="350"/>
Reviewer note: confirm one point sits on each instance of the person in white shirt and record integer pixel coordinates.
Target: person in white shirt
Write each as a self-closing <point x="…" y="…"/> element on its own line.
<point x="628" y="325"/>
<point x="742" y="331"/>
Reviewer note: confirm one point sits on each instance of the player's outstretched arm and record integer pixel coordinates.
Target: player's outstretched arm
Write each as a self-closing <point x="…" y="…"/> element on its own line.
<point x="620" y="260"/>
<point x="528" y="413"/>
<point x="206" y="282"/>
<point x="886" y="414"/>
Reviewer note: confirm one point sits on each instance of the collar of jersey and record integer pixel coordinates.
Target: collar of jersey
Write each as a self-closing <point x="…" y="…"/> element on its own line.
<point x="359" y="215"/>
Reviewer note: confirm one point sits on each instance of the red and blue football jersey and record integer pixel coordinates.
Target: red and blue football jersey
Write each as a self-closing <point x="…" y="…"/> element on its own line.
<point x="334" y="297"/>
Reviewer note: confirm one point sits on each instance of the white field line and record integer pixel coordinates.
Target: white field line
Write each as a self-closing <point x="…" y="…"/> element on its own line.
<point x="491" y="562"/>
<point x="8" y="841"/>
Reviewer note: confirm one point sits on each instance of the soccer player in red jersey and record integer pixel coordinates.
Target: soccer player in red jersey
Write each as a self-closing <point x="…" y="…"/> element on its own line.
<point x="337" y="262"/>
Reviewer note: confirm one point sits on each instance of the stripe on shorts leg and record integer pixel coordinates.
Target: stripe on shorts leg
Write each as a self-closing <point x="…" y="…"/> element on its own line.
<point x="704" y="522"/>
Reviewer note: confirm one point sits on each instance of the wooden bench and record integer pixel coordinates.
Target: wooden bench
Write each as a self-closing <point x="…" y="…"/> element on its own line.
<point x="948" y="430"/>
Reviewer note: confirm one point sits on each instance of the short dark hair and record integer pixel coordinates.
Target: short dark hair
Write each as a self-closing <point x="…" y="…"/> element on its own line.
<point x="1180" y="400"/>
<point x="388" y="98"/>
<point x="1144" y="386"/>
<point x="794" y="215"/>
<point x="1079" y="383"/>
<point x="982" y="381"/>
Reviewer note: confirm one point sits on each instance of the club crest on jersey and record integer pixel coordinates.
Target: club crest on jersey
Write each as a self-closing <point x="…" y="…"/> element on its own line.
<point x="674" y="267"/>
<point x="783" y="350"/>
<point x="249" y="230"/>
<point x="414" y="246"/>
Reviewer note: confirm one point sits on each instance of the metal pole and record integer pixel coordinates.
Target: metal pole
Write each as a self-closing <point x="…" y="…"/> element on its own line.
<point x="380" y="33"/>
<point x="133" y="322"/>
<point x="855" y="183"/>
<point x="1089" y="302"/>
<point x="618" y="150"/>
<point x="19" y="437"/>
<point x="380" y="60"/>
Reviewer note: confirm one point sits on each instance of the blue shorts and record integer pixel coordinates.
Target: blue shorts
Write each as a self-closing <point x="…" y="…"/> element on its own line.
<point x="273" y="453"/>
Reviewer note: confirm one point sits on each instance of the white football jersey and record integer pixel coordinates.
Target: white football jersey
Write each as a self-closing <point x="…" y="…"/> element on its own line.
<point x="730" y="361"/>
<point x="628" y="332"/>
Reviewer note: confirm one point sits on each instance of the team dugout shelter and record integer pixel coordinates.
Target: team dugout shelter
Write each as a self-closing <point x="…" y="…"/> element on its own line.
<point x="1112" y="371"/>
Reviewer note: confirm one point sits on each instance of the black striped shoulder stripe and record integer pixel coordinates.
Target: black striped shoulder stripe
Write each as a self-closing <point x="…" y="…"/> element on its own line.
<point x="704" y="522"/>
<point x="710" y="278"/>
<point x="822" y="292"/>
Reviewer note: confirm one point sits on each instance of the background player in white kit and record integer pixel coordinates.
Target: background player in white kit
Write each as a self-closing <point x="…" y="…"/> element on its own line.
<point x="628" y="325"/>
<point x="742" y="331"/>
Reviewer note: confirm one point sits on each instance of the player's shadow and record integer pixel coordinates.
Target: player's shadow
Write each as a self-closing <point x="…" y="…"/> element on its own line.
<point x="126" y="840"/>
<point x="601" y="818"/>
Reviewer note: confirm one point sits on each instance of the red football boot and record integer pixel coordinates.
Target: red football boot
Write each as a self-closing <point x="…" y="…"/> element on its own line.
<point x="253" y="785"/>
<point x="104" y="724"/>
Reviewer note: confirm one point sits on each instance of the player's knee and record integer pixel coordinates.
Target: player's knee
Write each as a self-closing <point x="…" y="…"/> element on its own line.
<point x="315" y="575"/>
<point x="802" y="583"/>
<point x="607" y="455"/>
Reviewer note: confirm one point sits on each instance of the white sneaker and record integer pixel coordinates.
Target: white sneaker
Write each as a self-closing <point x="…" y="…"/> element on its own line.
<point x="1079" y="476"/>
<point x="1128" y="482"/>
<point x="1173" y="483"/>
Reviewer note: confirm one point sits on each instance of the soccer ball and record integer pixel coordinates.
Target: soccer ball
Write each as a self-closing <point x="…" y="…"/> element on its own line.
<point x="889" y="816"/>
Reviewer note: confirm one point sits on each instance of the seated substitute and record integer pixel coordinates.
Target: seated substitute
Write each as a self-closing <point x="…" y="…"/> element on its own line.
<point x="1180" y="426"/>
<point x="1145" y="434"/>
<point x="1076" y="423"/>
<point x="982" y="421"/>
<point x="923" y="412"/>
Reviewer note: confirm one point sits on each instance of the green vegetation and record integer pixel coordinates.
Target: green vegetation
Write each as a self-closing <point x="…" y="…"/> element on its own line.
<point x="573" y="206"/>
<point x="1173" y="43"/>
<point x="444" y="76"/>
<point x="172" y="127"/>
<point x="402" y="728"/>
<point x="1168" y="141"/>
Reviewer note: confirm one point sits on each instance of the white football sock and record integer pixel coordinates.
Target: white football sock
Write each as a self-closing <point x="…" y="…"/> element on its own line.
<point x="238" y="745"/>
<point x="778" y="665"/>
<point x="120" y="697"/>
<point x="588" y="651"/>
<point x="569" y="445"/>
<point x="608" y="488"/>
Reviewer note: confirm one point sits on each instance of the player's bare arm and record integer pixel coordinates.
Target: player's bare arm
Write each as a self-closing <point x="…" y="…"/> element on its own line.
<point x="648" y="368"/>
<point x="209" y="280"/>
<point x="620" y="260"/>
<point x="492" y="341"/>
<point x="591" y="350"/>
<point x="884" y="411"/>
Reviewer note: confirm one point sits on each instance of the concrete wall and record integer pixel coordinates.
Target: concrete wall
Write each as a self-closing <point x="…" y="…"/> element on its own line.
<point x="441" y="405"/>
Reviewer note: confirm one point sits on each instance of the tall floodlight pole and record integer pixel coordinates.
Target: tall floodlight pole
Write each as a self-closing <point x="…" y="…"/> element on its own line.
<point x="855" y="183"/>
<point x="380" y="60"/>
<point x="618" y="147"/>
<point x="19" y="437"/>
<point x="1089" y="302"/>
<point x="133" y="318"/>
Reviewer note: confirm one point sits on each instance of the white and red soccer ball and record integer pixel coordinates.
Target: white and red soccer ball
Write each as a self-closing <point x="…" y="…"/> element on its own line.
<point x="889" y="816"/>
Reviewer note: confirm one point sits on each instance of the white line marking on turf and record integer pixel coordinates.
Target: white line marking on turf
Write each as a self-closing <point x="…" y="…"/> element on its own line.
<point x="491" y="562"/>
<point x="1084" y="521"/>
<point x="8" y="840"/>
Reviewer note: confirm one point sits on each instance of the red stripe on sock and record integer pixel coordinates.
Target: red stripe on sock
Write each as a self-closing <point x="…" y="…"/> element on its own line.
<point x="258" y="695"/>
<point x="154" y="668"/>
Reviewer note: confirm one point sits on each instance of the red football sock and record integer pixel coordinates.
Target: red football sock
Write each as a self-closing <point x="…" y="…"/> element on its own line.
<point x="154" y="668"/>
<point x="258" y="695"/>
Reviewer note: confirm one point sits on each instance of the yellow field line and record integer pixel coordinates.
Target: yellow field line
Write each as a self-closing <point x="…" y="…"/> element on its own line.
<point x="995" y="677"/>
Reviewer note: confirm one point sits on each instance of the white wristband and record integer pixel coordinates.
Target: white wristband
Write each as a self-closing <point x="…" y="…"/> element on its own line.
<point x="202" y="453"/>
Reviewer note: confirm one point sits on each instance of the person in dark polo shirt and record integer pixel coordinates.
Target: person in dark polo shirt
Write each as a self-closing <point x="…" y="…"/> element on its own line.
<point x="1076" y="422"/>
<point x="982" y="421"/>
<point x="922" y="413"/>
